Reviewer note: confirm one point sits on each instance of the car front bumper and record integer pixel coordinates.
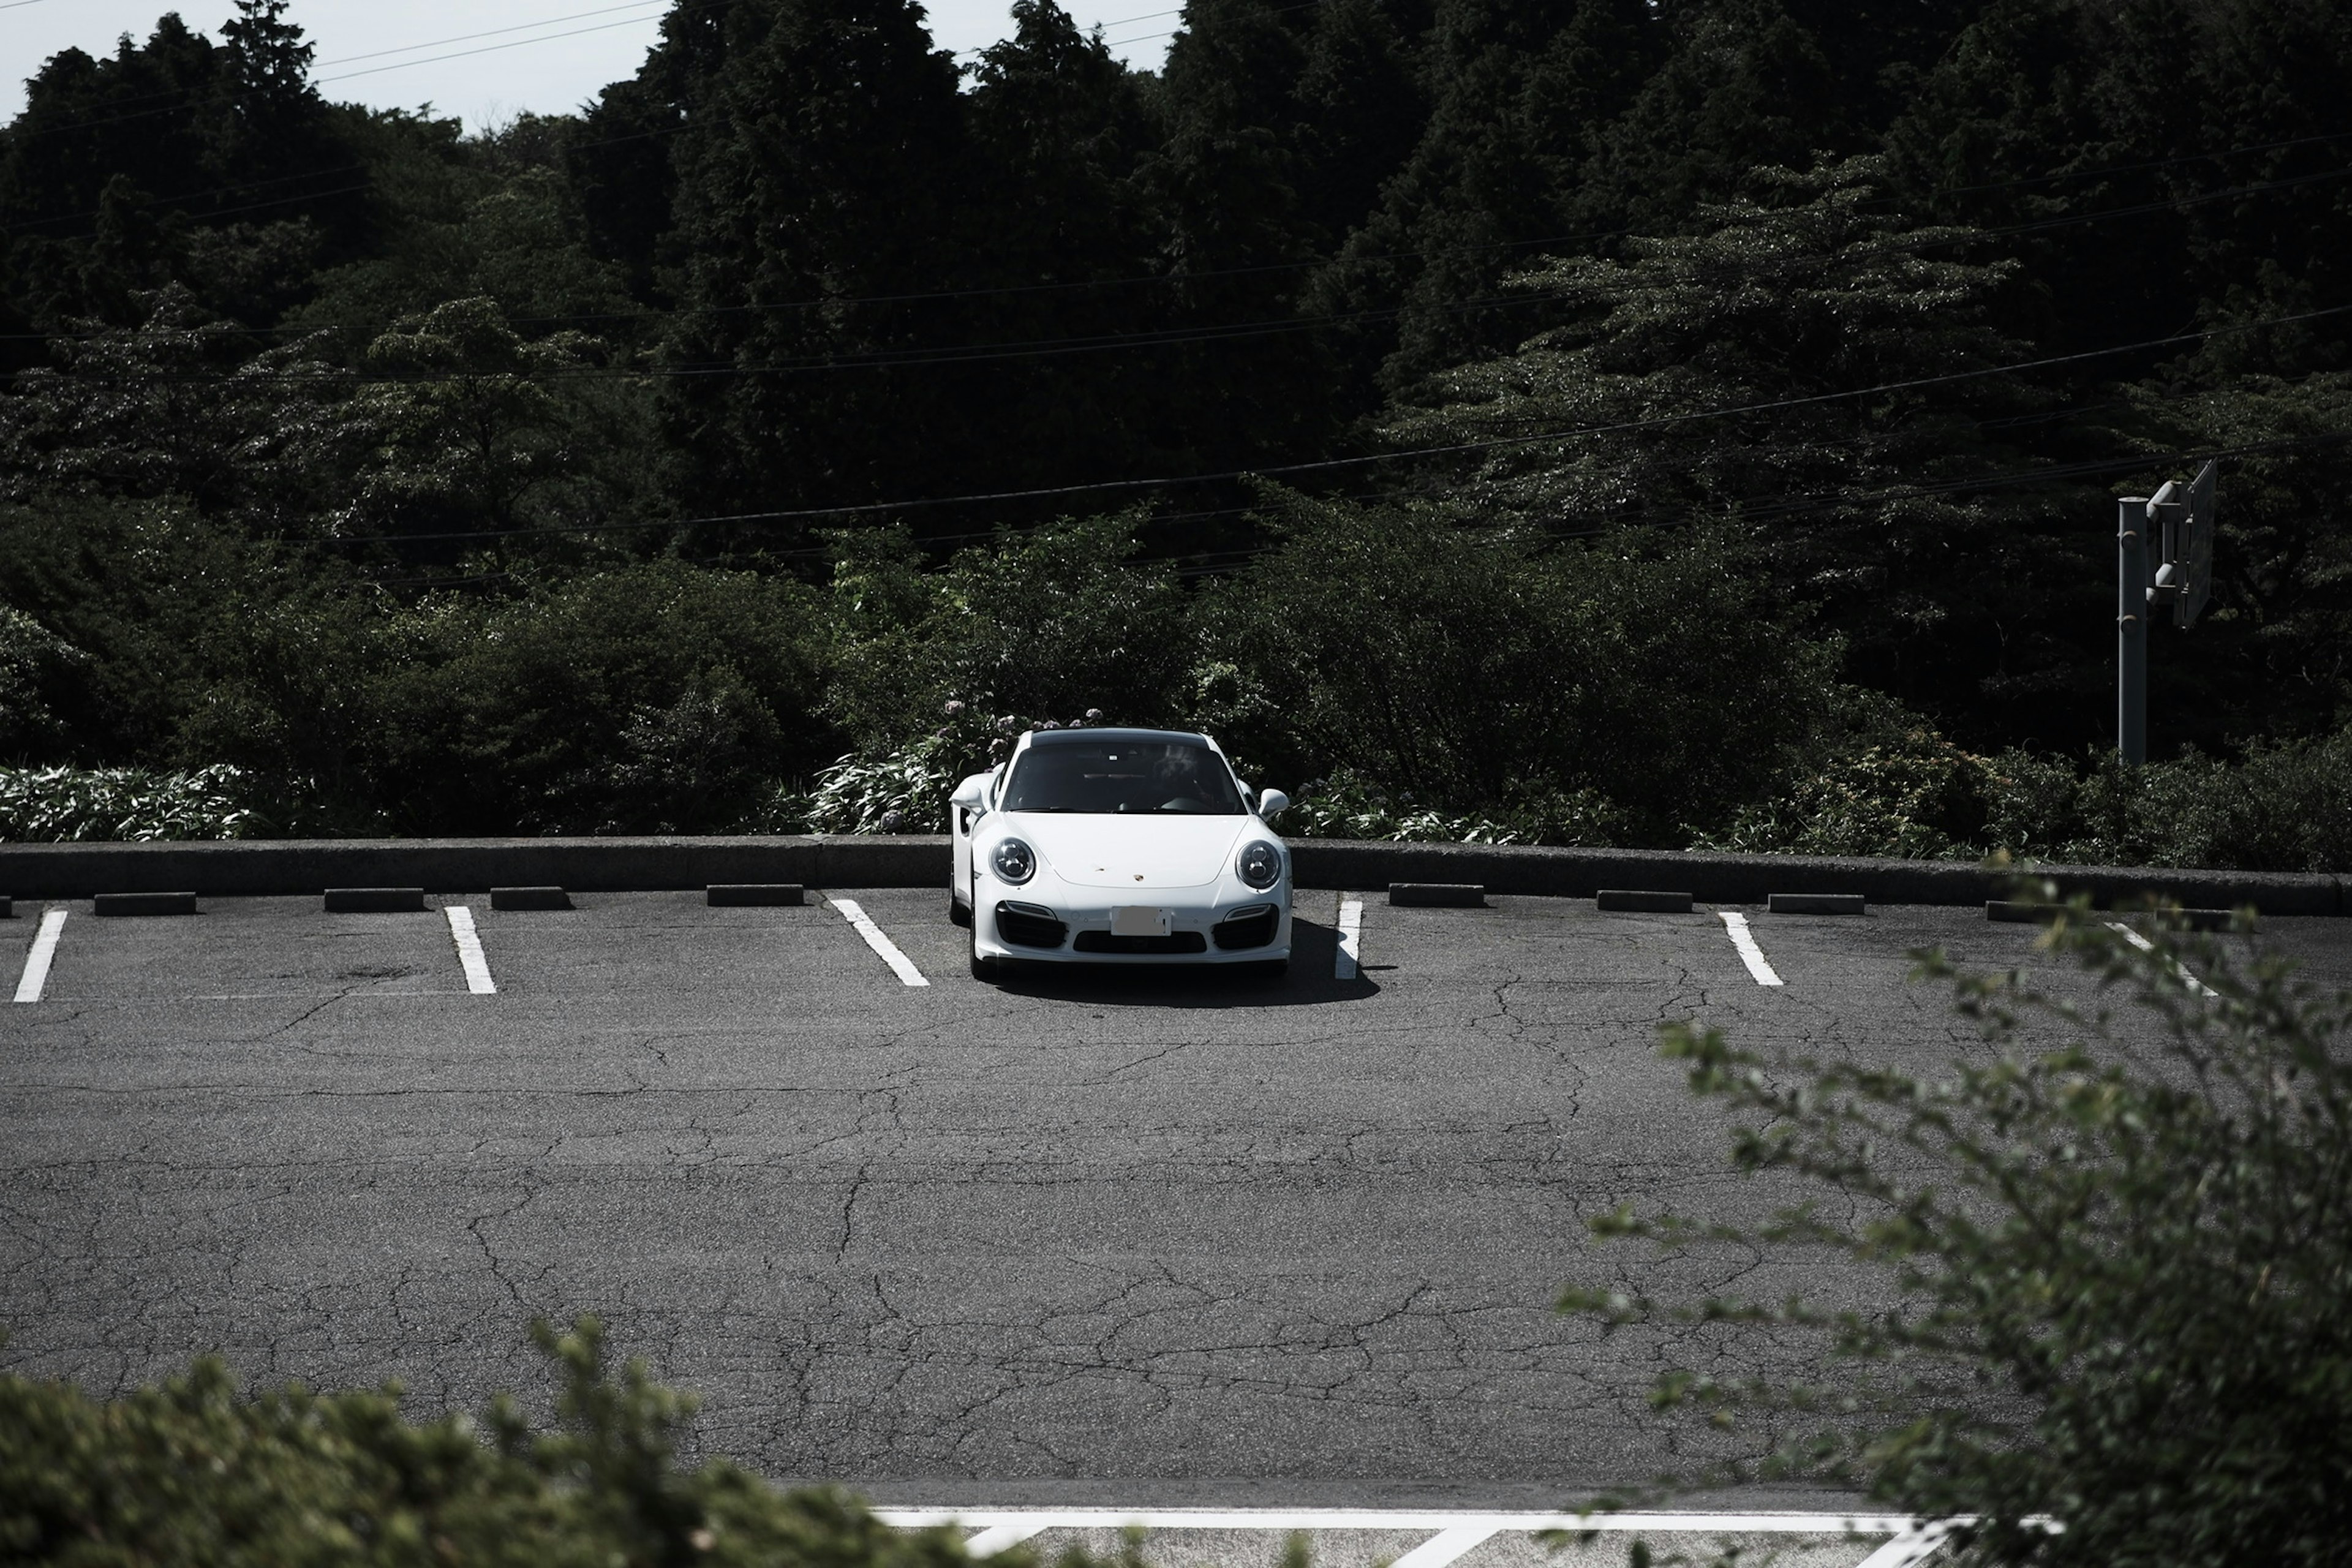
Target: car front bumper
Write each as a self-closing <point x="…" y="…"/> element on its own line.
<point x="1083" y="918"/>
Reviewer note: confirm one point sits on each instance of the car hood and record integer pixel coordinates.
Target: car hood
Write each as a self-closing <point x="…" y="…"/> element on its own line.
<point x="1136" y="853"/>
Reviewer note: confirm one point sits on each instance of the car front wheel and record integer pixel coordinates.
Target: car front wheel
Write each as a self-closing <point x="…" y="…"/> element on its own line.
<point x="987" y="969"/>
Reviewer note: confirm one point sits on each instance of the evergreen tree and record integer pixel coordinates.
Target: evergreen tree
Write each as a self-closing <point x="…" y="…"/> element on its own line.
<point x="1747" y="86"/>
<point x="817" y="177"/>
<point x="1715" y="377"/>
<point x="1518" y="95"/>
<point x="1060" y="131"/>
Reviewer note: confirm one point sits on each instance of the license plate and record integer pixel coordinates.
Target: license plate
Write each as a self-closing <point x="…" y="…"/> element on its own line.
<point x="1134" y="919"/>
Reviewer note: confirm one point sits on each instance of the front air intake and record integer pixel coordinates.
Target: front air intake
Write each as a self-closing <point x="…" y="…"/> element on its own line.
<point x="1174" y="942"/>
<point x="1245" y="929"/>
<point x="1029" y="925"/>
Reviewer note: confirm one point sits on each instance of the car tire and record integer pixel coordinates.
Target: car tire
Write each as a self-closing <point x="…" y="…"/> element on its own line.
<point x="982" y="969"/>
<point x="958" y="913"/>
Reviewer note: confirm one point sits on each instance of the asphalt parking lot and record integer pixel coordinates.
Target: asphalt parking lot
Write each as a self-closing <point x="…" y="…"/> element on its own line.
<point x="1115" y="1240"/>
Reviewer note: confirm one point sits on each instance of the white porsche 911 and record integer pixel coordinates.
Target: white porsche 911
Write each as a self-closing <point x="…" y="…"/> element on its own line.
<point x="1118" y="847"/>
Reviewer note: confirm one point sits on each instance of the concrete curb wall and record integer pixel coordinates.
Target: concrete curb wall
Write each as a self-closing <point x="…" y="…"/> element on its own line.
<point x="1753" y="879"/>
<point x="467" y="865"/>
<point x="623" y="864"/>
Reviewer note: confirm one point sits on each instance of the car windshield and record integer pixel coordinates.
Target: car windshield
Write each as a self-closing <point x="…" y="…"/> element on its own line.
<point x="1123" y="776"/>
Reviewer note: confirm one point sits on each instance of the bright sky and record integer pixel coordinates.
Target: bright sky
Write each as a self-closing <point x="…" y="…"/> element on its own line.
<point x="486" y="59"/>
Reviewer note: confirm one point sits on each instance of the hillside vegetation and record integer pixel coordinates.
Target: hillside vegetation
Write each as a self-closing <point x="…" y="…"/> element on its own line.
<point x="1654" y="421"/>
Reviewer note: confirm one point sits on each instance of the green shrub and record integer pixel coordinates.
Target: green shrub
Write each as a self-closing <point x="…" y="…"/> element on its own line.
<point x="659" y="698"/>
<point x="903" y="789"/>
<point x="57" y="806"/>
<point x="1485" y="668"/>
<point x="189" y="1473"/>
<point x="1349" y="805"/>
<point x="1913" y="794"/>
<point x="1057" y="620"/>
<point x="2284" y="806"/>
<point x="33" y="662"/>
<point x="2117" y="1267"/>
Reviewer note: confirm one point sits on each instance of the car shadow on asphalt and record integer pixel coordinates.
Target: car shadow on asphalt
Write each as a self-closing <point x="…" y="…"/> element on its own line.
<point x="1314" y="950"/>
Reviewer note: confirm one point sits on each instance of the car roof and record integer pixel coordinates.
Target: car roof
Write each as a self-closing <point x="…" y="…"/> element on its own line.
<point x="1119" y="737"/>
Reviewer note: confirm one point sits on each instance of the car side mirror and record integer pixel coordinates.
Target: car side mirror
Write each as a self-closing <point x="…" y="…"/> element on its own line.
<point x="971" y="794"/>
<point x="1271" y="804"/>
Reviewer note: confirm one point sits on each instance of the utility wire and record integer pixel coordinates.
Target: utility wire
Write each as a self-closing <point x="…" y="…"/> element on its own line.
<point x="918" y="357"/>
<point x="187" y="96"/>
<point x="1930" y="239"/>
<point x="1461" y="448"/>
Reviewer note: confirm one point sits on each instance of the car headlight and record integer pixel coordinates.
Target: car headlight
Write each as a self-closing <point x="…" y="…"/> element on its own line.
<point x="1014" y="861"/>
<point x="1259" y="863"/>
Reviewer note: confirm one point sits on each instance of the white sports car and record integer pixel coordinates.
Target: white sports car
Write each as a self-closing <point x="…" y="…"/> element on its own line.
<point x="1118" y="847"/>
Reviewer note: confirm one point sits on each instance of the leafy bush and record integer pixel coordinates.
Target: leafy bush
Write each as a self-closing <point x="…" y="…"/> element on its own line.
<point x="190" y="1473"/>
<point x="2118" y="1266"/>
<point x="2284" y="806"/>
<point x="1484" y="668"/>
<point x="1911" y="794"/>
<point x="903" y="789"/>
<point x="1054" y="621"/>
<point x="57" y="806"/>
<point x="659" y="698"/>
<point x="1349" y="805"/>
<point x="33" y="658"/>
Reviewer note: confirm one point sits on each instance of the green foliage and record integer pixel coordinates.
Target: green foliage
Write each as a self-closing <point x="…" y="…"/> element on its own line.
<point x="1350" y="806"/>
<point x="1908" y="793"/>
<point x="189" y="1472"/>
<point x="59" y="805"/>
<point x="34" y="661"/>
<point x="1705" y="377"/>
<point x="2283" y="806"/>
<point x="467" y="426"/>
<point x="2117" y="1264"/>
<point x="651" y="698"/>
<point x="1488" y="668"/>
<point x="1650" y="373"/>
<point x="906" y="790"/>
<point x="1058" y="620"/>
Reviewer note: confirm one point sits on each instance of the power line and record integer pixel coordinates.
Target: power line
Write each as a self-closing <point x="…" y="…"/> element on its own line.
<point x="976" y="353"/>
<point x="494" y="31"/>
<point x="186" y="96"/>
<point x="493" y="48"/>
<point x="1907" y="244"/>
<point x="908" y="358"/>
<point x="1464" y="447"/>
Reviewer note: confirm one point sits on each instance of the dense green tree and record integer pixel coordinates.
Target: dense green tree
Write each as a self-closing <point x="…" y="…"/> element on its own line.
<point x="816" y="184"/>
<point x="469" y="430"/>
<point x="1815" y="369"/>
<point x="116" y="165"/>
<point x="1069" y="245"/>
<point x="1653" y="675"/>
<point x="1747" y="85"/>
<point x="1519" y="96"/>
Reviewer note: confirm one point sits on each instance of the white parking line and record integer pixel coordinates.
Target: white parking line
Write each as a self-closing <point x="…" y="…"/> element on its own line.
<point x="1749" y="953"/>
<point x="1445" y="1546"/>
<point x="1908" y="1550"/>
<point x="901" y="965"/>
<point x="36" y="962"/>
<point x="469" y="950"/>
<point x="2141" y="943"/>
<point x="997" y="1537"/>
<point x="1351" y="925"/>
<point x="1441" y="1523"/>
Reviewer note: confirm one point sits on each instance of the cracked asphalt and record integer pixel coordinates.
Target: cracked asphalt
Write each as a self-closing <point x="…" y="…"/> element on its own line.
<point x="1111" y="1240"/>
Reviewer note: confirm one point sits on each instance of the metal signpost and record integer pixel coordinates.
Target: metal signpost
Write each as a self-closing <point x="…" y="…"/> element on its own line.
<point x="2178" y="523"/>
